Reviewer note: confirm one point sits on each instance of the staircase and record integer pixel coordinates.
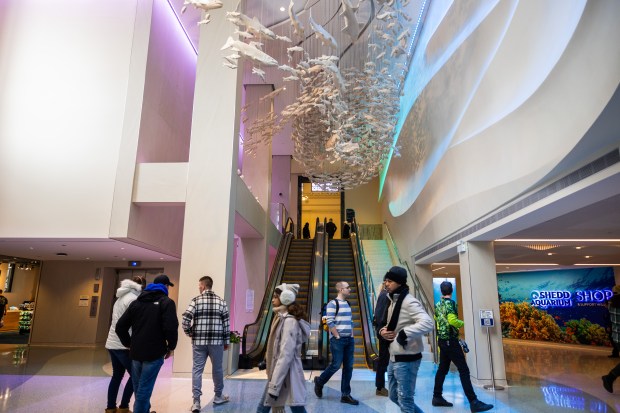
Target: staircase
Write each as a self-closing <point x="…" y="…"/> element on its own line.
<point x="297" y="268"/>
<point x="341" y="267"/>
<point x="379" y="260"/>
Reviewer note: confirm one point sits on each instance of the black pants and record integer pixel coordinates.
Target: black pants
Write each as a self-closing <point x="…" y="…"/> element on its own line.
<point x="450" y="351"/>
<point x="382" y="363"/>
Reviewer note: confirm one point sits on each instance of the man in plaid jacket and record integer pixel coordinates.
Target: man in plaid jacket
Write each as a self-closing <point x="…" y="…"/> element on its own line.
<point x="206" y="321"/>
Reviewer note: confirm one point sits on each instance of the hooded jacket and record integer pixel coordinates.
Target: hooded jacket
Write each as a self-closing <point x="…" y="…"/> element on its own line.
<point x="284" y="369"/>
<point x="152" y="318"/>
<point x="414" y="321"/>
<point x="125" y="295"/>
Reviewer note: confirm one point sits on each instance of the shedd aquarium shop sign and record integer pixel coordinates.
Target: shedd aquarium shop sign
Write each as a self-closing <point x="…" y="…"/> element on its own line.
<point x="563" y="298"/>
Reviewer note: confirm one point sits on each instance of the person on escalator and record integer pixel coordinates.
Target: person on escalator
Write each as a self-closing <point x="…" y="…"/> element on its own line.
<point x="384" y="351"/>
<point x="331" y="228"/>
<point x="341" y="343"/>
<point x="285" y="374"/>
<point x="306" y="231"/>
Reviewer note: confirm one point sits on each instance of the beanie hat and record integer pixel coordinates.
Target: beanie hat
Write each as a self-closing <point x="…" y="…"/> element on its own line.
<point x="396" y="274"/>
<point x="288" y="293"/>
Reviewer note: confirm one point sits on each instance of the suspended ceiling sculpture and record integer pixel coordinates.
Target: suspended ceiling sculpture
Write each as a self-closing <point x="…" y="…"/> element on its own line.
<point x="344" y="115"/>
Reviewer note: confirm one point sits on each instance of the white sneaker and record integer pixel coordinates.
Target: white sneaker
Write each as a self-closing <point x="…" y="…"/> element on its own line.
<point x="221" y="399"/>
<point x="196" y="407"/>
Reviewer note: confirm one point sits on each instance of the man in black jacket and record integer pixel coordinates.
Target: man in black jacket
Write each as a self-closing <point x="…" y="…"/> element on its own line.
<point x="152" y="318"/>
<point x="384" y="352"/>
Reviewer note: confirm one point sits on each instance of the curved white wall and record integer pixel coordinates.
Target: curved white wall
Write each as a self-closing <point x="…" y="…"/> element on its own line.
<point x="503" y="93"/>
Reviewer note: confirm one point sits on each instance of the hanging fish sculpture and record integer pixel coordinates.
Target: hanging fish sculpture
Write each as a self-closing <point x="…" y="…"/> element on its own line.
<point x="205" y="5"/>
<point x="323" y="35"/>
<point x="298" y="28"/>
<point x="351" y="25"/>
<point x="250" y="52"/>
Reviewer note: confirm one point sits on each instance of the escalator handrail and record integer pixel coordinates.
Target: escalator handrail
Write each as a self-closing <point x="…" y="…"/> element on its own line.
<point x="265" y="314"/>
<point x="324" y="335"/>
<point x="370" y="348"/>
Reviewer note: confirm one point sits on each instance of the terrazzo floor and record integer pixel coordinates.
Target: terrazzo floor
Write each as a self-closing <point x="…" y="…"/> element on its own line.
<point x="542" y="378"/>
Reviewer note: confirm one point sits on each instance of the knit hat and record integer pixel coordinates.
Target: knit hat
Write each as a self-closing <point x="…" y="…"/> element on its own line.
<point x="396" y="274"/>
<point x="288" y="293"/>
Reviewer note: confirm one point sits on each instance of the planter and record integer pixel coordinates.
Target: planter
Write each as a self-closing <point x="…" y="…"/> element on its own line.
<point x="233" y="357"/>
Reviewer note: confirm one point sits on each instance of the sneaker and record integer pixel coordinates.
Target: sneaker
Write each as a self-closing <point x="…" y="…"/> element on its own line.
<point x="318" y="388"/>
<point x="382" y="392"/>
<point x="349" y="400"/>
<point x="196" y="406"/>
<point x="441" y="402"/>
<point x="478" y="406"/>
<point x="608" y="383"/>
<point x="221" y="399"/>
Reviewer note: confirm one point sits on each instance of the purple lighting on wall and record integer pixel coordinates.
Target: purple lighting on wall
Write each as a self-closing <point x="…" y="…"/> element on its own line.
<point x="181" y="27"/>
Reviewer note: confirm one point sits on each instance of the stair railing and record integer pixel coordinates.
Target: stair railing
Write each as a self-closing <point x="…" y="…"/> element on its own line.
<point x="418" y="291"/>
<point x="315" y="297"/>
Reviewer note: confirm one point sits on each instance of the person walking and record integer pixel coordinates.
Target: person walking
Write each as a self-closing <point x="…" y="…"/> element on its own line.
<point x="4" y="303"/>
<point x="384" y="352"/>
<point x="446" y="317"/>
<point x="206" y="321"/>
<point x="306" y="231"/>
<point x="285" y="373"/>
<point x="614" y="315"/>
<point x="340" y="323"/>
<point x="119" y="354"/>
<point x="152" y="318"/>
<point x="404" y="324"/>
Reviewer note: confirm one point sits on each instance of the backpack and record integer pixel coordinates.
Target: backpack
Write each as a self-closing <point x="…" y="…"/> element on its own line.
<point x="324" y="313"/>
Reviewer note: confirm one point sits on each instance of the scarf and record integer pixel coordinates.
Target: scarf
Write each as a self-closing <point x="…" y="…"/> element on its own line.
<point x="402" y="292"/>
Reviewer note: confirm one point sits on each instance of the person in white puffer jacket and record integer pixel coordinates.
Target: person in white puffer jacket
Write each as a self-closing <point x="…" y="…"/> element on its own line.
<point x="119" y="354"/>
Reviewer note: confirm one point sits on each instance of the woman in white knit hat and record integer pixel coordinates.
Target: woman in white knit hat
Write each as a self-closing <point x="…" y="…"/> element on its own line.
<point x="285" y="373"/>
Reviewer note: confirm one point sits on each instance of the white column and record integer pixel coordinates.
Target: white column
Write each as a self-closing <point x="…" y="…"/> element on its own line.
<point x="479" y="292"/>
<point x="208" y="234"/>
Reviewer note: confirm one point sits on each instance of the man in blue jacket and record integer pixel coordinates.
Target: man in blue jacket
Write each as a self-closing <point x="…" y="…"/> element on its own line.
<point x="152" y="318"/>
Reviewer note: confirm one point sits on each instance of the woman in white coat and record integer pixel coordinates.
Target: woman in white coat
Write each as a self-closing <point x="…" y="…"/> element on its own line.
<point x="119" y="354"/>
<point x="286" y="382"/>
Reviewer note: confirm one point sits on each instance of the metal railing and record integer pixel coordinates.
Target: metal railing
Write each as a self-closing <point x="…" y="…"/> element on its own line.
<point x="418" y="291"/>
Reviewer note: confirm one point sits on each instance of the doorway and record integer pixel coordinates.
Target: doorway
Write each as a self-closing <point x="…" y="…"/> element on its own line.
<point x="318" y="201"/>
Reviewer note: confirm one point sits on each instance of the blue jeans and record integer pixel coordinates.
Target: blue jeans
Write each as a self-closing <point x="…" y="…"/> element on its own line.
<point x="216" y="353"/>
<point x="121" y="363"/>
<point x="401" y="378"/>
<point x="144" y="374"/>
<point x="266" y="409"/>
<point x="342" y="353"/>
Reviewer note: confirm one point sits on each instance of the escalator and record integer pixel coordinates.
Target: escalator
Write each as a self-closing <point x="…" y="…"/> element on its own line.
<point x="342" y="265"/>
<point x="293" y="265"/>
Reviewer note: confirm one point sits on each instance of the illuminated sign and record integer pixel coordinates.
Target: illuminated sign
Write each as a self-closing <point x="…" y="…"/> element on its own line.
<point x="563" y="298"/>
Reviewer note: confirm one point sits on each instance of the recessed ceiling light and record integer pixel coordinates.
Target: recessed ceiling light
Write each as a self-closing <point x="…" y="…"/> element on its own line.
<point x="578" y="248"/>
<point x="122" y="248"/>
<point x="550" y="253"/>
<point x="87" y="258"/>
<point x="282" y="8"/>
<point x="62" y="254"/>
<point x="161" y="258"/>
<point x="31" y="248"/>
<point x="588" y="256"/>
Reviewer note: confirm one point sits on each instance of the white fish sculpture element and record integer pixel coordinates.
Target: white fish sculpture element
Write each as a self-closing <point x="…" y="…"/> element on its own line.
<point x="298" y="28"/>
<point x="251" y="25"/>
<point x="323" y="35"/>
<point x="250" y="52"/>
<point x="351" y="25"/>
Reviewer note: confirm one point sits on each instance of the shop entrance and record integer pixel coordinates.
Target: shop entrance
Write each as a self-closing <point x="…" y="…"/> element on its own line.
<point x="18" y="282"/>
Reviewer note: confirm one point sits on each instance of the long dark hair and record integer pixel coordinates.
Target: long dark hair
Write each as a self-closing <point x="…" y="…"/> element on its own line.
<point x="297" y="311"/>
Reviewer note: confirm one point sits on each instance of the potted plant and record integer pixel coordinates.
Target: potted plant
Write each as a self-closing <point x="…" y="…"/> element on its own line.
<point x="233" y="351"/>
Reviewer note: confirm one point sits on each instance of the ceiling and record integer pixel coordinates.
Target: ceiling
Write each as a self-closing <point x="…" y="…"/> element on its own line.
<point x="600" y="220"/>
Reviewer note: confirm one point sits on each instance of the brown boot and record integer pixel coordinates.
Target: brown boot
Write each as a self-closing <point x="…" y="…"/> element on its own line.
<point x="111" y="410"/>
<point x="123" y="410"/>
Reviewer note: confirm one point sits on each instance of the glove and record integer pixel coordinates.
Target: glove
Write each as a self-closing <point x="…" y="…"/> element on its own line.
<point x="273" y="396"/>
<point x="402" y="338"/>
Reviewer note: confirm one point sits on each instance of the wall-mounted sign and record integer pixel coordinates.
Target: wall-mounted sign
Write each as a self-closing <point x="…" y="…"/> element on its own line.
<point x="486" y="318"/>
<point x="564" y="298"/>
<point x="83" y="301"/>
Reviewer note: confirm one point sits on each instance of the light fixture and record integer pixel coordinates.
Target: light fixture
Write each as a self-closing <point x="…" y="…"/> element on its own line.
<point x="588" y="256"/>
<point x="550" y="253"/>
<point x="440" y="268"/>
<point x="282" y="8"/>
<point x="599" y="265"/>
<point x="557" y="240"/>
<point x="541" y="247"/>
<point x="528" y="265"/>
<point x="578" y="248"/>
<point x="304" y="198"/>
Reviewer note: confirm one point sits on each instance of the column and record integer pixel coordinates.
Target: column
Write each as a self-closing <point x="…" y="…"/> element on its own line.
<point x="479" y="292"/>
<point x="208" y="234"/>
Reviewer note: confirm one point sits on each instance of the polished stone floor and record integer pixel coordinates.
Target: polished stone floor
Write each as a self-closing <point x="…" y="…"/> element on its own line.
<point x="542" y="378"/>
